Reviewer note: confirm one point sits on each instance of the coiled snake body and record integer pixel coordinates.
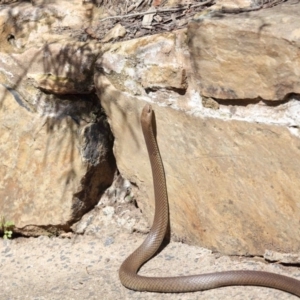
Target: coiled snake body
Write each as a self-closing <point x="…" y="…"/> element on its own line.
<point x="128" y="270"/>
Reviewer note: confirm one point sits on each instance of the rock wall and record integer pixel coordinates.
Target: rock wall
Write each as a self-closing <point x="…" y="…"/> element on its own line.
<point x="225" y="94"/>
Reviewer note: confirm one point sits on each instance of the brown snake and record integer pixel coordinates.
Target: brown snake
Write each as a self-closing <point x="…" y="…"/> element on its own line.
<point x="129" y="268"/>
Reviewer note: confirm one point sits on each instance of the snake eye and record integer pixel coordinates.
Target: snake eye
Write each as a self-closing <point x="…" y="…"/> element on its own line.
<point x="147" y="111"/>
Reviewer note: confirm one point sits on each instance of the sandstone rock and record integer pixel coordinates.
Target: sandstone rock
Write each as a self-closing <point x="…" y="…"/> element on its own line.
<point x="52" y="132"/>
<point x="49" y="80"/>
<point x="38" y="22"/>
<point x="284" y="258"/>
<point x="43" y="65"/>
<point x="56" y="68"/>
<point x="45" y="182"/>
<point x="115" y="33"/>
<point x="247" y="56"/>
<point x="161" y="68"/>
<point x="232" y="185"/>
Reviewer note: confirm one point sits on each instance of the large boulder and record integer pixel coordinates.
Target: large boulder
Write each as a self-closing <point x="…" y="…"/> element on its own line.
<point x="53" y="170"/>
<point x="55" y="143"/>
<point x="232" y="172"/>
<point x="247" y="56"/>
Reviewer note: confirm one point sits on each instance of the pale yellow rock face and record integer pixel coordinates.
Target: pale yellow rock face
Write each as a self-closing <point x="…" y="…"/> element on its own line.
<point x="58" y="68"/>
<point x="41" y="165"/>
<point x="248" y="56"/>
<point x="151" y="63"/>
<point x="45" y="178"/>
<point x="233" y="186"/>
<point x="54" y="143"/>
<point x="232" y="173"/>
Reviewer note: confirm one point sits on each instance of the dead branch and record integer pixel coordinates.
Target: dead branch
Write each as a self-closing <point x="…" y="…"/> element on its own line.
<point x="157" y="11"/>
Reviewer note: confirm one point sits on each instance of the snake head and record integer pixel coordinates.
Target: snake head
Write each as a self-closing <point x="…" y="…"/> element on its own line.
<point x="147" y="115"/>
<point x="147" y="112"/>
<point x="148" y="120"/>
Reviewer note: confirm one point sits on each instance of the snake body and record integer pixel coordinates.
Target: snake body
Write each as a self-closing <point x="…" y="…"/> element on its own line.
<point x="128" y="270"/>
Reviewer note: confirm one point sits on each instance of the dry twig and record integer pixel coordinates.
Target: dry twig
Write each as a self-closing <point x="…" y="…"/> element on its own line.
<point x="156" y="11"/>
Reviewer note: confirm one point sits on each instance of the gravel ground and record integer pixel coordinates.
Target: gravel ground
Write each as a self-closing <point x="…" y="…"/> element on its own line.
<point x="86" y="267"/>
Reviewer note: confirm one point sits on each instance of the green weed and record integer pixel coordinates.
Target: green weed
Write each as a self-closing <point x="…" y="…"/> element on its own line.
<point x="6" y="227"/>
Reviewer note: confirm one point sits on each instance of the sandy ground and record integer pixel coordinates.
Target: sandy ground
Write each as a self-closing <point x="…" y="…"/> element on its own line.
<point x="86" y="267"/>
